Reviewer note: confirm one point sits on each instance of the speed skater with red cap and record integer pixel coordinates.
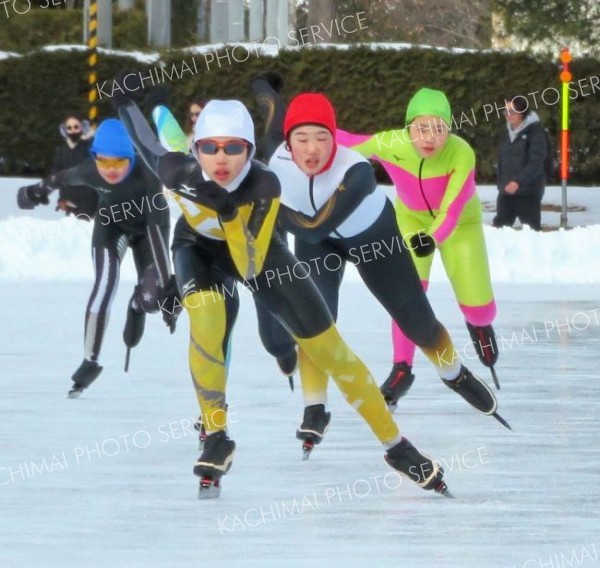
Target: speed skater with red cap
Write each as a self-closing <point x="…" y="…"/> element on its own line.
<point x="331" y="203"/>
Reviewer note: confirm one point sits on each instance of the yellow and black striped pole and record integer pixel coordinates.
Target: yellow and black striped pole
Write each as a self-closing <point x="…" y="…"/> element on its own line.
<point x="92" y="61"/>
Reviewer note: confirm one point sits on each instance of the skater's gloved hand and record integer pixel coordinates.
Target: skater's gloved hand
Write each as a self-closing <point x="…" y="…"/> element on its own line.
<point x="31" y="195"/>
<point x="170" y="304"/>
<point x="422" y="244"/>
<point x="127" y="86"/>
<point x="274" y="79"/>
<point x="218" y="199"/>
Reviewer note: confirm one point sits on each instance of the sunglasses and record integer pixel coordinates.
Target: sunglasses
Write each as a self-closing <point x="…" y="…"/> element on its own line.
<point x="230" y="148"/>
<point x="112" y="162"/>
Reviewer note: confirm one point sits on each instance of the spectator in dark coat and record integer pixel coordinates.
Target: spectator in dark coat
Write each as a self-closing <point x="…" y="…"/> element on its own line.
<point x="521" y="177"/>
<point x="77" y="134"/>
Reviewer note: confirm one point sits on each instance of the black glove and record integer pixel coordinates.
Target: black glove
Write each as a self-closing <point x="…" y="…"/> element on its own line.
<point x="211" y="195"/>
<point x="422" y="244"/>
<point x="31" y="195"/>
<point x="127" y="87"/>
<point x="218" y="199"/>
<point x="274" y="79"/>
<point x="170" y="304"/>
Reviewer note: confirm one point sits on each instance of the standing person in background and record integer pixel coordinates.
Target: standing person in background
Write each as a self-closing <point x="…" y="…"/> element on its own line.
<point x="437" y="203"/>
<point x="75" y="148"/>
<point x="522" y="153"/>
<point x="195" y="107"/>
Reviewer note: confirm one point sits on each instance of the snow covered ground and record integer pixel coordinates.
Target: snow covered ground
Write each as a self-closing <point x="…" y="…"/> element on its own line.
<point x="106" y="480"/>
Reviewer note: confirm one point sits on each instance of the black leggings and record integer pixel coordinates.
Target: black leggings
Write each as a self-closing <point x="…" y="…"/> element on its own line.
<point x="527" y="209"/>
<point x="109" y="245"/>
<point x="385" y="266"/>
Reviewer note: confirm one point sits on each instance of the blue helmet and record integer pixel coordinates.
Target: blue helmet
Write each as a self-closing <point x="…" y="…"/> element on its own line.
<point x="111" y="139"/>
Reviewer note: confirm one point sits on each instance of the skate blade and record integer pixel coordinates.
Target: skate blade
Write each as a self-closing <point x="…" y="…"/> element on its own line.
<point x="307" y="449"/>
<point x="127" y="355"/>
<point x="392" y="407"/>
<point x="291" y="380"/>
<point x="501" y="420"/>
<point x="442" y="489"/>
<point x="209" y="489"/>
<point x="201" y="440"/>
<point x="495" y="377"/>
<point x="74" y="393"/>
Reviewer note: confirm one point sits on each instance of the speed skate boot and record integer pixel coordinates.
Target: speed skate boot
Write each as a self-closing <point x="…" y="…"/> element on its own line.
<point x="420" y="469"/>
<point x="476" y="393"/>
<point x="288" y="364"/>
<point x="214" y="463"/>
<point x="397" y="384"/>
<point x="484" y="341"/>
<point x="313" y="428"/>
<point x="83" y="377"/>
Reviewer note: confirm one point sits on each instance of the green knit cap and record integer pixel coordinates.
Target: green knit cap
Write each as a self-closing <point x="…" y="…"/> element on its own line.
<point x="429" y="102"/>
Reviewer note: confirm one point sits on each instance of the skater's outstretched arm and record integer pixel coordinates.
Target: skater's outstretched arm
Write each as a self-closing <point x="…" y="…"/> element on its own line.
<point x="83" y="174"/>
<point x="273" y="110"/>
<point x="358" y="182"/>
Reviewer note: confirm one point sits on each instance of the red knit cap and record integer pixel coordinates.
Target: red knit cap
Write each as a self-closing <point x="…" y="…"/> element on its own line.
<point x="311" y="108"/>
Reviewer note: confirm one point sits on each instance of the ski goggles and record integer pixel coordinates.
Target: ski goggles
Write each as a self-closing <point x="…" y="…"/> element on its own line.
<point x="230" y="148"/>
<point x="117" y="163"/>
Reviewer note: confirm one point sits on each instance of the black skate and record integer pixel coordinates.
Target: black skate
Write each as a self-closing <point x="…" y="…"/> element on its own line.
<point x="134" y="328"/>
<point x="397" y="384"/>
<point x="476" y="393"/>
<point x="288" y="364"/>
<point x="484" y="341"/>
<point x="314" y="426"/>
<point x="214" y="463"/>
<point x="420" y="469"/>
<point x="83" y="377"/>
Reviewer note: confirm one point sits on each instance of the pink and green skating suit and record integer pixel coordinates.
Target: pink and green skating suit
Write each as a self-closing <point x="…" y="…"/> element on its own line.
<point x="436" y="195"/>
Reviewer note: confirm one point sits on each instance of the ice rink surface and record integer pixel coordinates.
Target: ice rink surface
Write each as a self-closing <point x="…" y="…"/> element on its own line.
<point x="106" y="480"/>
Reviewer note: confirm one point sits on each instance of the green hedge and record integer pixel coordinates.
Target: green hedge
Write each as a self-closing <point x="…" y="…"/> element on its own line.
<point x="370" y="90"/>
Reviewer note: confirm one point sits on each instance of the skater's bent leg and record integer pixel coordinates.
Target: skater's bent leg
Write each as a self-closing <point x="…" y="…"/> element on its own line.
<point x="314" y="381"/>
<point x="274" y="337"/>
<point x="329" y="352"/>
<point x="107" y="263"/>
<point x="465" y="259"/>
<point x="404" y="348"/>
<point x="209" y="330"/>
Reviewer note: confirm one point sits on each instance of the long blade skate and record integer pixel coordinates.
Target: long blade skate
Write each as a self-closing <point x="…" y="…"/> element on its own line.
<point x="75" y="392"/>
<point x="307" y="448"/>
<point x="209" y="488"/>
<point x="85" y="375"/>
<point x="501" y="420"/>
<point x="442" y="489"/>
<point x="127" y="358"/>
<point x="291" y="380"/>
<point x="495" y="377"/>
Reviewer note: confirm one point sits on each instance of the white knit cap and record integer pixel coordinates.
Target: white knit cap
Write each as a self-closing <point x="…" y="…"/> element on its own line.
<point x="224" y="118"/>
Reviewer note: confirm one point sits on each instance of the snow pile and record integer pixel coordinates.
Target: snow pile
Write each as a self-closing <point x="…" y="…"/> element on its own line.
<point x="43" y="245"/>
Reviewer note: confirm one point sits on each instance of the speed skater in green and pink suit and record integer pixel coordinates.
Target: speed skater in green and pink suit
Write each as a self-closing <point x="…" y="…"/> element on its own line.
<point x="437" y="206"/>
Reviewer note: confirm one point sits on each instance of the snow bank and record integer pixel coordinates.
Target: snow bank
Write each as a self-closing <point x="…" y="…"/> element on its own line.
<point x="44" y="245"/>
